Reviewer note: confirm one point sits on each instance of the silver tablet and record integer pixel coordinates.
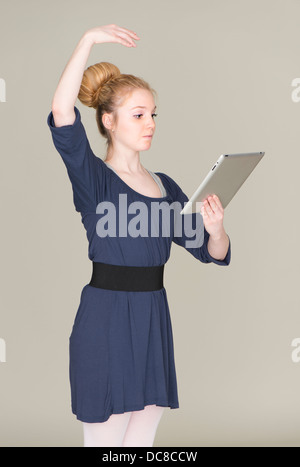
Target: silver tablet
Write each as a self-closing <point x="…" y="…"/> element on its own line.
<point x="224" y="179"/>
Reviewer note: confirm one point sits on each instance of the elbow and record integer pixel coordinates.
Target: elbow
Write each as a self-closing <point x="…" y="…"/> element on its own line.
<point x="62" y="118"/>
<point x="55" y="106"/>
<point x="60" y="108"/>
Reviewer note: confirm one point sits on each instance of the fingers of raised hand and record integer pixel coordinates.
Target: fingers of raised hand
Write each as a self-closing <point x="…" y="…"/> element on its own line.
<point x="126" y="36"/>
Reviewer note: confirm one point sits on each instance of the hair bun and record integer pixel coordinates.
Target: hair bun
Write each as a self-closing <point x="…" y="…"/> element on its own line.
<point x="93" y="81"/>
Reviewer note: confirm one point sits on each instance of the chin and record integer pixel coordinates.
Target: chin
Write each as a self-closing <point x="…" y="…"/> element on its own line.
<point x="145" y="147"/>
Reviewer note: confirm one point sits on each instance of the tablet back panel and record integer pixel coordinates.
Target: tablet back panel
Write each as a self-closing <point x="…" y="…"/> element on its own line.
<point x="224" y="179"/>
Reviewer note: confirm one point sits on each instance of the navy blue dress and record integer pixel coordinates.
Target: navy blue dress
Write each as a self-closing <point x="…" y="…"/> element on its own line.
<point x="121" y="344"/>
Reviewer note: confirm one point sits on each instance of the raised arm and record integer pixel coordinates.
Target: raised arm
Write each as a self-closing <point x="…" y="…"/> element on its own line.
<point x="66" y="93"/>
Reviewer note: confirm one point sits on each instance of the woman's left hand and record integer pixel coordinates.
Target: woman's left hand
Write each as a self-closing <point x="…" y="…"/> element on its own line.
<point x="213" y="213"/>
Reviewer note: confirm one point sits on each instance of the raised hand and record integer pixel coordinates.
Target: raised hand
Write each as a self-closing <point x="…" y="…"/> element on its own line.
<point x="112" y="33"/>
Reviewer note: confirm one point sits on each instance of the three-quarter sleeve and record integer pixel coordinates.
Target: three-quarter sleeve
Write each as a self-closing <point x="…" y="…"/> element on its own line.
<point x="200" y="250"/>
<point x="85" y="170"/>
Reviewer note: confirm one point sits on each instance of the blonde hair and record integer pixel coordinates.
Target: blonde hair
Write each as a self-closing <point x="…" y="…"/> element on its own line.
<point x="105" y="88"/>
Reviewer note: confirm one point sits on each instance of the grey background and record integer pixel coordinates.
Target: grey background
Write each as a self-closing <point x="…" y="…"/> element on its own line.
<point x="223" y="73"/>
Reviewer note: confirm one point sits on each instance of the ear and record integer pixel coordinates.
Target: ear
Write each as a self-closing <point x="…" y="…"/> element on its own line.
<point x="107" y="121"/>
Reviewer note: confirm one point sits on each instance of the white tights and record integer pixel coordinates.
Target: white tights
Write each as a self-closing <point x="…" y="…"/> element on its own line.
<point x="136" y="428"/>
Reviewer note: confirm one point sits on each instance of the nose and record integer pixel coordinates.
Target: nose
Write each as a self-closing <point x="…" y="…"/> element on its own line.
<point x="151" y="126"/>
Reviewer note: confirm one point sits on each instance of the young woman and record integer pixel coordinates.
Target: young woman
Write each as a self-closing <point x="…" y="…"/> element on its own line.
<point x="122" y="369"/>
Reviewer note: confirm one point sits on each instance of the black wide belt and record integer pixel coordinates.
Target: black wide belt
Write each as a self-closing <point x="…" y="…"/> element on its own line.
<point x="127" y="278"/>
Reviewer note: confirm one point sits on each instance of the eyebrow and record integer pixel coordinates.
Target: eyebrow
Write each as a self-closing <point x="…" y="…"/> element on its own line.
<point x="140" y="107"/>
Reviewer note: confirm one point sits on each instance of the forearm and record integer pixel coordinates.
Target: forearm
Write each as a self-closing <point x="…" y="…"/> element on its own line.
<point x="218" y="246"/>
<point x="68" y="87"/>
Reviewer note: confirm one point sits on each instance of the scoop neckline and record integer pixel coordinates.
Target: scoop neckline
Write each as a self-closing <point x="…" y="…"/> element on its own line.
<point x="136" y="192"/>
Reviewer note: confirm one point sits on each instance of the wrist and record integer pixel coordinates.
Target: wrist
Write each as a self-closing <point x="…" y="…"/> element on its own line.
<point x="87" y="38"/>
<point x="219" y="236"/>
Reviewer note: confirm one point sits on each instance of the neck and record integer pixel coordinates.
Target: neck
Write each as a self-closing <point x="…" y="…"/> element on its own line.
<point x="125" y="164"/>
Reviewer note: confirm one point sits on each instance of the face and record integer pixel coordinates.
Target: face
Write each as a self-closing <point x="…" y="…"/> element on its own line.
<point x="136" y="121"/>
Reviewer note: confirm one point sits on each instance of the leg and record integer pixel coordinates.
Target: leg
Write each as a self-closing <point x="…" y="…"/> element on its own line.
<point x="109" y="433"/>
<point x="142" y="426"/>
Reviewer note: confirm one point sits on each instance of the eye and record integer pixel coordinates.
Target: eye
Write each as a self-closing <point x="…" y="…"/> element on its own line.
<point x="153" y="115"/>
